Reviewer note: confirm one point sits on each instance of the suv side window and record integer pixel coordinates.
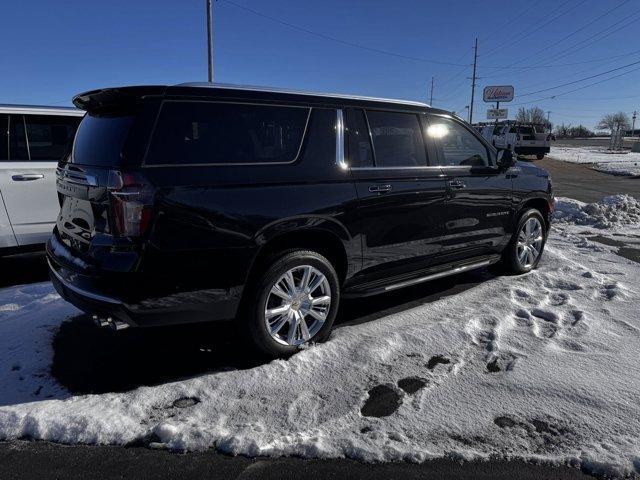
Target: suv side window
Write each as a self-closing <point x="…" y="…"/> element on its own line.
<point x="17" y="139"/>
<point x="227" y="133"/>
<point x="397" y="139"/>
<point x="457" y="145"/>
<point x="4" y="137"/>
<point x="359" y="142"/>
<point x="50" y="136"/>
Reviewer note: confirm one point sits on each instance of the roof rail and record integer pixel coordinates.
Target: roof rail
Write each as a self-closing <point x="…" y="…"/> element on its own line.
<point x="229" y="86"/>
<point x="39" y="110"/>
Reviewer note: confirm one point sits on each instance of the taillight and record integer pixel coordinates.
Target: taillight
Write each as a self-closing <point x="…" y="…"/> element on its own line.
<point x="131" y="198"/>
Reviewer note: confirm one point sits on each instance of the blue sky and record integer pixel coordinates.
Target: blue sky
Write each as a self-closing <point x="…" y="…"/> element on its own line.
<point x="53" y="50"/>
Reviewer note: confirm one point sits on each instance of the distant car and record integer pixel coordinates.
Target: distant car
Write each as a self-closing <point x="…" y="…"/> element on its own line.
<point x="198" y="202"/>
<point x="524" y="140"/>
<point x="33" y="141"/>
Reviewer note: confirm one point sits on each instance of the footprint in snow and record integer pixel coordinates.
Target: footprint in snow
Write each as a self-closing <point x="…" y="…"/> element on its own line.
<point x="185" y="402"/>
<point x="381" y="402"/>
<point x="547" y="315"/>
<point x="411" y="385"/>
<point x="545" y="433"/>
<point x="437" y="359"/>
<point x="502" y="362"/>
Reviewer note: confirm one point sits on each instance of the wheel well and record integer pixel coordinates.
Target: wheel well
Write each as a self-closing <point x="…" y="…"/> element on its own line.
<point x="539" y="204"/>
<point x="323" y="242"/>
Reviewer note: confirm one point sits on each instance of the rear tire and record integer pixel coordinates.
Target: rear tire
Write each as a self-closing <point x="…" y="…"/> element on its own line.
<point x="540" y="156"/>
<point x="292" y="302"/>
<point x="525" y="248"/>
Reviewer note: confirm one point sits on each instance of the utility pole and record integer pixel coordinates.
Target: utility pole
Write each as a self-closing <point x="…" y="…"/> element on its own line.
<point x="633" y="128"/>
<point x="210" y="39"/>
<point x="431" y="97"/>
<point x="548" y="121"/>
<point x="473" y="80"/>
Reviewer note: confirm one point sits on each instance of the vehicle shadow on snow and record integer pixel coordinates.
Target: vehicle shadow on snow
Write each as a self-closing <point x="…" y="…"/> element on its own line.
<point x="88" y="359"/>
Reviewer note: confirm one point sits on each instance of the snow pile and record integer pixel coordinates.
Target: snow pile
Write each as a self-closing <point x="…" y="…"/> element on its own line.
<point x="616" y="210"/>
<point x="542" y="366"/>
<point x="615" y="163"/>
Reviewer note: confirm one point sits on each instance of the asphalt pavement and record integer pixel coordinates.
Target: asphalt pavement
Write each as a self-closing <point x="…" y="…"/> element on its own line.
<point x="91" y="360"/>
<point x="585" y="184"/>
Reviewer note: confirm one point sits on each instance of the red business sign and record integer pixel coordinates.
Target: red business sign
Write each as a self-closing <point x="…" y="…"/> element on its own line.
<point x="500" y="93"/>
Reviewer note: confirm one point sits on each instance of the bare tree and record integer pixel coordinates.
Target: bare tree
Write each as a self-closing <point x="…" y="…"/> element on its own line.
<point x="562" y="130"/>
<point x="614" y="122"/>
<point x="533" y="115"/>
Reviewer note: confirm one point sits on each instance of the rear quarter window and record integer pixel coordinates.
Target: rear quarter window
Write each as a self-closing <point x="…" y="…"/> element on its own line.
<point x="196" y="133"/>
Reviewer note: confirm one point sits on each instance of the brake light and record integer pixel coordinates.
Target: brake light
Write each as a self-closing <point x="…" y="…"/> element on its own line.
<point x="131" y="198"/>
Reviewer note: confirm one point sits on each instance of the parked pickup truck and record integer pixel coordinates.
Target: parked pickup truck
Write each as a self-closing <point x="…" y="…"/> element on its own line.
<point x="524" y="140"/>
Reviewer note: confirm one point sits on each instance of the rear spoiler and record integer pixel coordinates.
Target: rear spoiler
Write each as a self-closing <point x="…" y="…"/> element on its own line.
<point x="108" y="100"/>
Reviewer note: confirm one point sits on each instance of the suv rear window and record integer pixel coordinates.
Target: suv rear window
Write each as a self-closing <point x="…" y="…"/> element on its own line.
<point x="100" y="139"/>
<point x="226" y="133"/>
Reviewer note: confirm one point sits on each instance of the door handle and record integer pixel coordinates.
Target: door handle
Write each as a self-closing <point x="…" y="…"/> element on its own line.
<point x="457" y="184"/>
<point x="380" y="188"/>
<point x="27" y="177"/>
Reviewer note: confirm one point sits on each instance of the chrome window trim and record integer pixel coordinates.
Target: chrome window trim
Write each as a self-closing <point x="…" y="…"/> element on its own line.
<point x="227" y="164"/>
<point x="340" y="159"/>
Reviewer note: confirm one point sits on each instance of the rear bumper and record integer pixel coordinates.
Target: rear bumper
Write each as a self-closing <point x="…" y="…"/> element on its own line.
<point x="96" y="294"/>
<point x="532" y="150"/>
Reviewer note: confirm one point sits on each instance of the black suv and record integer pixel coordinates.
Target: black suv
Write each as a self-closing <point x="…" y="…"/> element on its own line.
<point x="201" y="202"/>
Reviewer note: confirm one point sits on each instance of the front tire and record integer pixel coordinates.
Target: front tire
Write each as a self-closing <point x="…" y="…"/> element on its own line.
<point x="293" y="302"/>
<point x="527" y="243"/>
<point x="540" y="156"/>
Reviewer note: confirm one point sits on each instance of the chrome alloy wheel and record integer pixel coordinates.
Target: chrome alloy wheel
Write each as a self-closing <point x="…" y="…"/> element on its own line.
<point x="297" y="305"/>
<point x="530" y="239"/>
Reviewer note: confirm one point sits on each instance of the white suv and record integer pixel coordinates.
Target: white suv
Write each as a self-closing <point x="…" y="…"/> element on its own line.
<point x="32" y="141"/>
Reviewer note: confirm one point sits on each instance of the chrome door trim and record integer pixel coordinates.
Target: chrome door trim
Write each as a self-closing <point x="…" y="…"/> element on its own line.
<point x="446" y="273"/>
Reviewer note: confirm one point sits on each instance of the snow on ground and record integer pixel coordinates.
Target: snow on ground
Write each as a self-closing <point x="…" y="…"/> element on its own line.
<point x="543" y="366"/>
<point x="614" y="163"/>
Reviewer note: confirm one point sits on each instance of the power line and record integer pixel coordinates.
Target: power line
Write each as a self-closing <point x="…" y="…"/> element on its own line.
<point x="572" y="49"/>
<point x="557" y="65"/>
<point x="552" y="97"/>
<point x="535" y="27"/>
<point x="546" y="49"/>
<point x="339" y="40"/>
<point x="580" y="80"/>
<point x="511" y="20"/>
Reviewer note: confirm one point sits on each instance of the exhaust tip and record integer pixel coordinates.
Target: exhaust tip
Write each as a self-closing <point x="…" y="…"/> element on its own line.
<point x="109" y="322"/>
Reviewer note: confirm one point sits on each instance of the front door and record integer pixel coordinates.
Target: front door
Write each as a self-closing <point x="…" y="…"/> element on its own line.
<point x="479" y="205"/>
<point x="28" y="172"/>
<point x="400" y="195"/>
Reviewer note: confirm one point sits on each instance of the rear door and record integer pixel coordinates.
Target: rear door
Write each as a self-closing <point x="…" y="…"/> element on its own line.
<point x="28" y="172"/>
<point x="479" y="195"/>
<point x="400" y="194"/>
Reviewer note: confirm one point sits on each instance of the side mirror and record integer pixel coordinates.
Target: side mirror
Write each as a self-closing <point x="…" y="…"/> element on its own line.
<point x="505" y="158"/>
